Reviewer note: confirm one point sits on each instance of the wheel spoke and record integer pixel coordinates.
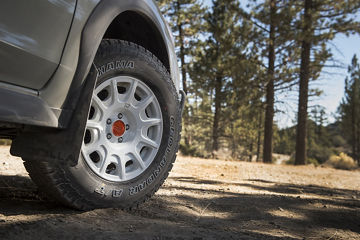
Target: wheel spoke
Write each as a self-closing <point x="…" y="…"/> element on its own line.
<point x="147" y="141"/>
<point x="95" y="139"/>
<point x="94" y="125"/>
<point x="99" y="104"/>
<point x="90" y="148"/>
<point x="139" y="160"/>
<point x="114" y="92"/>
<point x="122" y="170"/>
<point x="152" y="122"/>
<point x="145" y="103"/>
<point x="104" y="164"/>
<point x="131" y="92"/>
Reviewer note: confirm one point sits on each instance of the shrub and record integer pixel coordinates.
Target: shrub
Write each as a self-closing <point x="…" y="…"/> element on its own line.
<point x="320" y="153"/>
<point x="342" y="161"/>
<point x="338" y="141"/>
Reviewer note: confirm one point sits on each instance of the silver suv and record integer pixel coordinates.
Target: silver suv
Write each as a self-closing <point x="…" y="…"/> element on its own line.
<point x="89" y="94"/>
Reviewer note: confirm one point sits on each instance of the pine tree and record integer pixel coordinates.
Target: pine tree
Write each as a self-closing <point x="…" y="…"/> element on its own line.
<point x="270" y="91"/>
<point x="216" y="57"/>
<point x="318" y="115"/>
<point x="350" y="110"/>
<point x="244" y="108"/>
<point x="320" y="22"/>
<point x="275" y="20"/>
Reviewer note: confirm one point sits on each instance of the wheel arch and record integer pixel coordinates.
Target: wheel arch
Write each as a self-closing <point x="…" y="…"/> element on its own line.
<point x="136" y="21"/>
<point x="135" y="27"/>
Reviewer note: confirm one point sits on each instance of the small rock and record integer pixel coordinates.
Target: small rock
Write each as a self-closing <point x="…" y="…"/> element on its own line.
<point x="131" y="228"/>
<point x="281" y="209"/>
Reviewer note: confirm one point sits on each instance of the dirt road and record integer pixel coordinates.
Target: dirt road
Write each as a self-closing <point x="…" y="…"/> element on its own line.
<point x="202" y="199"/>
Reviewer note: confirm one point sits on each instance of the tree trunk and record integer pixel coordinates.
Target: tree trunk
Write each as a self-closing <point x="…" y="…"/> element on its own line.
<point x="353" y="127"/>
<point x="269" y="111"/>
<point x="233" y="142"/>
<point x="251" y="151"/>
<point x="217" y="100"/>
<point x="182" y="52"/>
<point x="357" y="119"/>
<point x="187" y="138"/>
<point x="301" y="130"/>
<point x="259" y="138"/>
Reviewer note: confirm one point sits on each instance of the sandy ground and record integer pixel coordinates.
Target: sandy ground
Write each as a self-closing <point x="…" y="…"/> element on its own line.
<point x="202" y="199"/>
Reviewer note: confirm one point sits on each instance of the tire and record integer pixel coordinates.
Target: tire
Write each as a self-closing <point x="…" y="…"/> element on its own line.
<point x="131" y="180"/>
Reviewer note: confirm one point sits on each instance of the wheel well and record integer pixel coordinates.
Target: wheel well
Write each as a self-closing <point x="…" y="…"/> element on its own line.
<point x="134" y="27"/>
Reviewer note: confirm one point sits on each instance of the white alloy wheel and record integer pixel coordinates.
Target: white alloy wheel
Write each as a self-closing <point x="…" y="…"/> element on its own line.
<point x="124" y="129"/>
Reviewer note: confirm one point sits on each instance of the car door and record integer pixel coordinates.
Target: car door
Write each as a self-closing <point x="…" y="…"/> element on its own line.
<point x="32" y="37"/>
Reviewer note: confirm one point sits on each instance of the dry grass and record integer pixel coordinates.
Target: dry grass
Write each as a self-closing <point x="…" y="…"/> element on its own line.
<point x="342" y="161"/>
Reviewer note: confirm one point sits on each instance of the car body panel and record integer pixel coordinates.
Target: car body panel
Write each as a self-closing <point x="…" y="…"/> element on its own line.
<point x="25" y="108"/>
<point x="32" y="37"/>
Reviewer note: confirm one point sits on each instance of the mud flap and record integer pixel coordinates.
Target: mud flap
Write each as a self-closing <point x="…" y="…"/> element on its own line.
<point x="54" y="144"/>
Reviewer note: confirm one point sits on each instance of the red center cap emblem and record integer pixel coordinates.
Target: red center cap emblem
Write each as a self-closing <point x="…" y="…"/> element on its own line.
<point x="118" y="128"/>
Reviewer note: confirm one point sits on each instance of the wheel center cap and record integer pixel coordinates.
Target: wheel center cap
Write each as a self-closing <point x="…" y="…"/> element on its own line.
<point x="118" y="128"/>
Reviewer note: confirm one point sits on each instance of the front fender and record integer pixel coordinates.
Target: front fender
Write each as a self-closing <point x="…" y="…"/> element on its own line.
<point x="62" y="93"/>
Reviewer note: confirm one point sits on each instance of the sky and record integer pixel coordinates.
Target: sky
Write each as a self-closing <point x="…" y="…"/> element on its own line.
<point x="331" y="81"/>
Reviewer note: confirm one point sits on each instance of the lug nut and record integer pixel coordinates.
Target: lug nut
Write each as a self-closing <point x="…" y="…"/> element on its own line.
<point x="108" y="121"/>
<point x="127" y="127"/>
<point x="109" y="136"/>
<point x="120" y="140"/>
<point x="120" y="116"/>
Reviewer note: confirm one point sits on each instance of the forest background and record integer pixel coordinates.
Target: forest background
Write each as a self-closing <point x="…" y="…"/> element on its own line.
<point x="254" y="72"/>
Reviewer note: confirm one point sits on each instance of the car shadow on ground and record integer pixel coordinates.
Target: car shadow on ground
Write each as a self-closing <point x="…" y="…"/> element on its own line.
<point x="19" y="195"/>
<point x="184" y="210"/>
<point x="280" y="208"/>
